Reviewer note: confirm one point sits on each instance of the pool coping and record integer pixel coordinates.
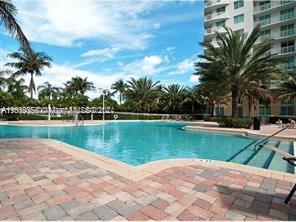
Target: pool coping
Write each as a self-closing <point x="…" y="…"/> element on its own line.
<point x="137" y="173"/>
<point x="240" y="131"/>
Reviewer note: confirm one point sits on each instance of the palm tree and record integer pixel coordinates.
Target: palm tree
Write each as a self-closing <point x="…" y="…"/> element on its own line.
<point x="7" y="15"/>
<point x="254" y="91"/>
<point x="31" y="64"/>
<point x="193" y="97"/>
<point x="212" y="94"/>
<point x="48" y="91"/>
<point x="119" y="87"/>
<point x="143" y="94"/>
<point x="174" y="96"/>
<point x="2" y="80"/>
<point x="237" y="59"/>
<point x="16" y="88"/>
<point x="78" y="85"/>
<point x="288" y="89"/>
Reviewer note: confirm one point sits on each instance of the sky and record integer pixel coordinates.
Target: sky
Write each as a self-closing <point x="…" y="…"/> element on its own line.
<point x="111" y="40"/>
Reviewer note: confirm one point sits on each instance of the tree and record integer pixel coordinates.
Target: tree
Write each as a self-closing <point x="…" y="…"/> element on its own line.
<point x="7" y="15"/>
<point x="142" y="94"/>
<point x="193" y="97"/>
<point x="254" y="91"/>
<point x="48" y="91"/>
<point x="16" y="88"/>
<point x="237" y="59"/>
<point x="31" y="64"/>
<point x="119" y="87"/>
<point x="78" y="85"/>
<point x="212" y="94"/>
<point x="174" y="96"/>
<point x="288" y="89"/>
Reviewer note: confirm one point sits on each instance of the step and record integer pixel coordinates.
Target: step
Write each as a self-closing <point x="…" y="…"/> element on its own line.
<point x="263" y="157"/>
<point x="244" y="154"/>
<point x="278" y="163"/>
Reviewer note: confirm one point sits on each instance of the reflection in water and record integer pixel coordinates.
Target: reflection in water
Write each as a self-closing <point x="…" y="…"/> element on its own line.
<point x="138" y="142"/>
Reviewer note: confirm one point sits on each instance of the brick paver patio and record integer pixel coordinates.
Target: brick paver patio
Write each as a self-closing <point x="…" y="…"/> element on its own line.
<point x="38" y="182"/>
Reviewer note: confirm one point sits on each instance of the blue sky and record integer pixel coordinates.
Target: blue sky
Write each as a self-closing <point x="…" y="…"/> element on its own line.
<point x="110" y="40"/>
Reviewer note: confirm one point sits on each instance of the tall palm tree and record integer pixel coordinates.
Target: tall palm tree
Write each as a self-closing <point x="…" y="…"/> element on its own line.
<point x="31" y="64"/>
<point x="2" y="80"/>
<point x="143" y="94"/>
<point x="236" y="59"/>
<point x="288" y="89"/>
<point x="7" y="16"/>
<point x="119" y="87"/>
<point x="48" y="91"/>
<point x="174" y="96"/>
<point x="79" y="85"/>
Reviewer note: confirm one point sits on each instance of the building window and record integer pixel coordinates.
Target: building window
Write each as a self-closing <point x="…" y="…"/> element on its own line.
<point x="286" y="1"/>
<point x="221" y="24"/>
<point x="287" y="14"/>
<point x="220" y="111"/>
<point x="288" y="107"/>
<point x="265" y="35"/>
<point x="290" y="64"/>
<point x="238" y="4"/>
<point x="287" y="30"/>
<point x="265" y="20"/>
<point x="264" y="5"/>
<point x="220" y="10"/>
<point x="287" y="47"/>
<point x="239" y="18"/>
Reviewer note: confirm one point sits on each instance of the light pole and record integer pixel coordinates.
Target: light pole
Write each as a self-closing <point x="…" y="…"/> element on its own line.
<point x="103" y="93"/>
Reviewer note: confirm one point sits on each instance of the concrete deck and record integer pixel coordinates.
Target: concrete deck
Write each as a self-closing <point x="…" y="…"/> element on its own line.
<point x="44" y="180"/>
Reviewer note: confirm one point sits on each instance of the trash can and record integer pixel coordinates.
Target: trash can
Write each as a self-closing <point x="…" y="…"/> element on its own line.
<point x="256" y="123"/>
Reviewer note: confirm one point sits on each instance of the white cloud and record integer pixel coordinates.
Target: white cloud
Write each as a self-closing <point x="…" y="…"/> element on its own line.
<point x="184" y="67"/>
<point x="194" y="79"/>
<point x="68" y="22"/>
<point x="106" y="53"/>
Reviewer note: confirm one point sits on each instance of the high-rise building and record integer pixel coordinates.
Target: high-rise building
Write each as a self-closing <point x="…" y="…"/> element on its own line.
<point x="277" y="19"/>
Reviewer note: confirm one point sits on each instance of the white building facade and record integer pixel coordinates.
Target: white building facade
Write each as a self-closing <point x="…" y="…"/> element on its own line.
<point x="277" y="19"/>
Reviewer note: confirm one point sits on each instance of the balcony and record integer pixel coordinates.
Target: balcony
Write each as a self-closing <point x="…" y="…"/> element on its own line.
<point x="274" y="20"/>
<point x="272" y="5"/>
<point x="216" y="16"/>
<point x="279" y="35"/>
<point x="212" y="3"/>
<point x="288" y="66"/>
<point x="213" y="30"/>
<point x="288" y="49"/>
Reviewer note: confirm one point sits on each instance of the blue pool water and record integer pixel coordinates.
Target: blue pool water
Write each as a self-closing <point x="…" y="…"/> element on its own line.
<point x="138" y="142"/>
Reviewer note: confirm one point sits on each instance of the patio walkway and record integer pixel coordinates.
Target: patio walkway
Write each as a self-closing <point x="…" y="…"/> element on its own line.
<point x="38" y="182"/>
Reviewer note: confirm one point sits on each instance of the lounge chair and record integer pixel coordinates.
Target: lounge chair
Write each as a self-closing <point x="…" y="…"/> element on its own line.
<point x="290" y="159"/>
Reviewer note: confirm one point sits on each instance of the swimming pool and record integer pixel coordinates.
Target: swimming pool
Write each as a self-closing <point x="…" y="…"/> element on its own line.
<point x="140" y="142"/>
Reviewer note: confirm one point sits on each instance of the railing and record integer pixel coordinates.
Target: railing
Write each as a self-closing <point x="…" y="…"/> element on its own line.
<point x="76" y="120"/>
<point x="216" y="2"/>
<point x="288" y="49"/>
<point x="214" y="30"/>
<point x="273" y="20"/>
<point x="271" y="5"/>
<point x="216" y="15"/>
<point x="267" y="138"/>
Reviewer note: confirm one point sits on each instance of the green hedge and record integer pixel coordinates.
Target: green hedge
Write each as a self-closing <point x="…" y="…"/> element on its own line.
<point x="128" y="117"/>
<point x="211" y="118"/>
<point x="235" y="122"/>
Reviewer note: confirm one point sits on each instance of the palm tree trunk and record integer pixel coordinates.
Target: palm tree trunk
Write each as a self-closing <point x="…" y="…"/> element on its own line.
<point x="234" y="97"/>
<point x="249" y="106"/>
<point x="32" y="86"/>
<point x="192" y="108"/>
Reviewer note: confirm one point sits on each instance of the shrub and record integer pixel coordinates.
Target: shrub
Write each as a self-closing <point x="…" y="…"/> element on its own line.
<point x="235" y="122"/>
<point x="212" y="118"/>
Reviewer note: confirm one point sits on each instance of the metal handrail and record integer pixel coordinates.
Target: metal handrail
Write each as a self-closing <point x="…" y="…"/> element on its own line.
<point x="262" y="141"/>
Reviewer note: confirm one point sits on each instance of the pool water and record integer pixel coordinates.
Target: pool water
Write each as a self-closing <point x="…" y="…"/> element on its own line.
<point x="137" y="143"/>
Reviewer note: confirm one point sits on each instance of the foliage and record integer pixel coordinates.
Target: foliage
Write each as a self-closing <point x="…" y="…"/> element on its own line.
<point x="235" y="122"/>
<point x="31" y="64"/>
<point x="173" y="98"/>
<point x="288" y="89"/>
<point x="238" y="59"/>
<point x="120" y="87"/>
